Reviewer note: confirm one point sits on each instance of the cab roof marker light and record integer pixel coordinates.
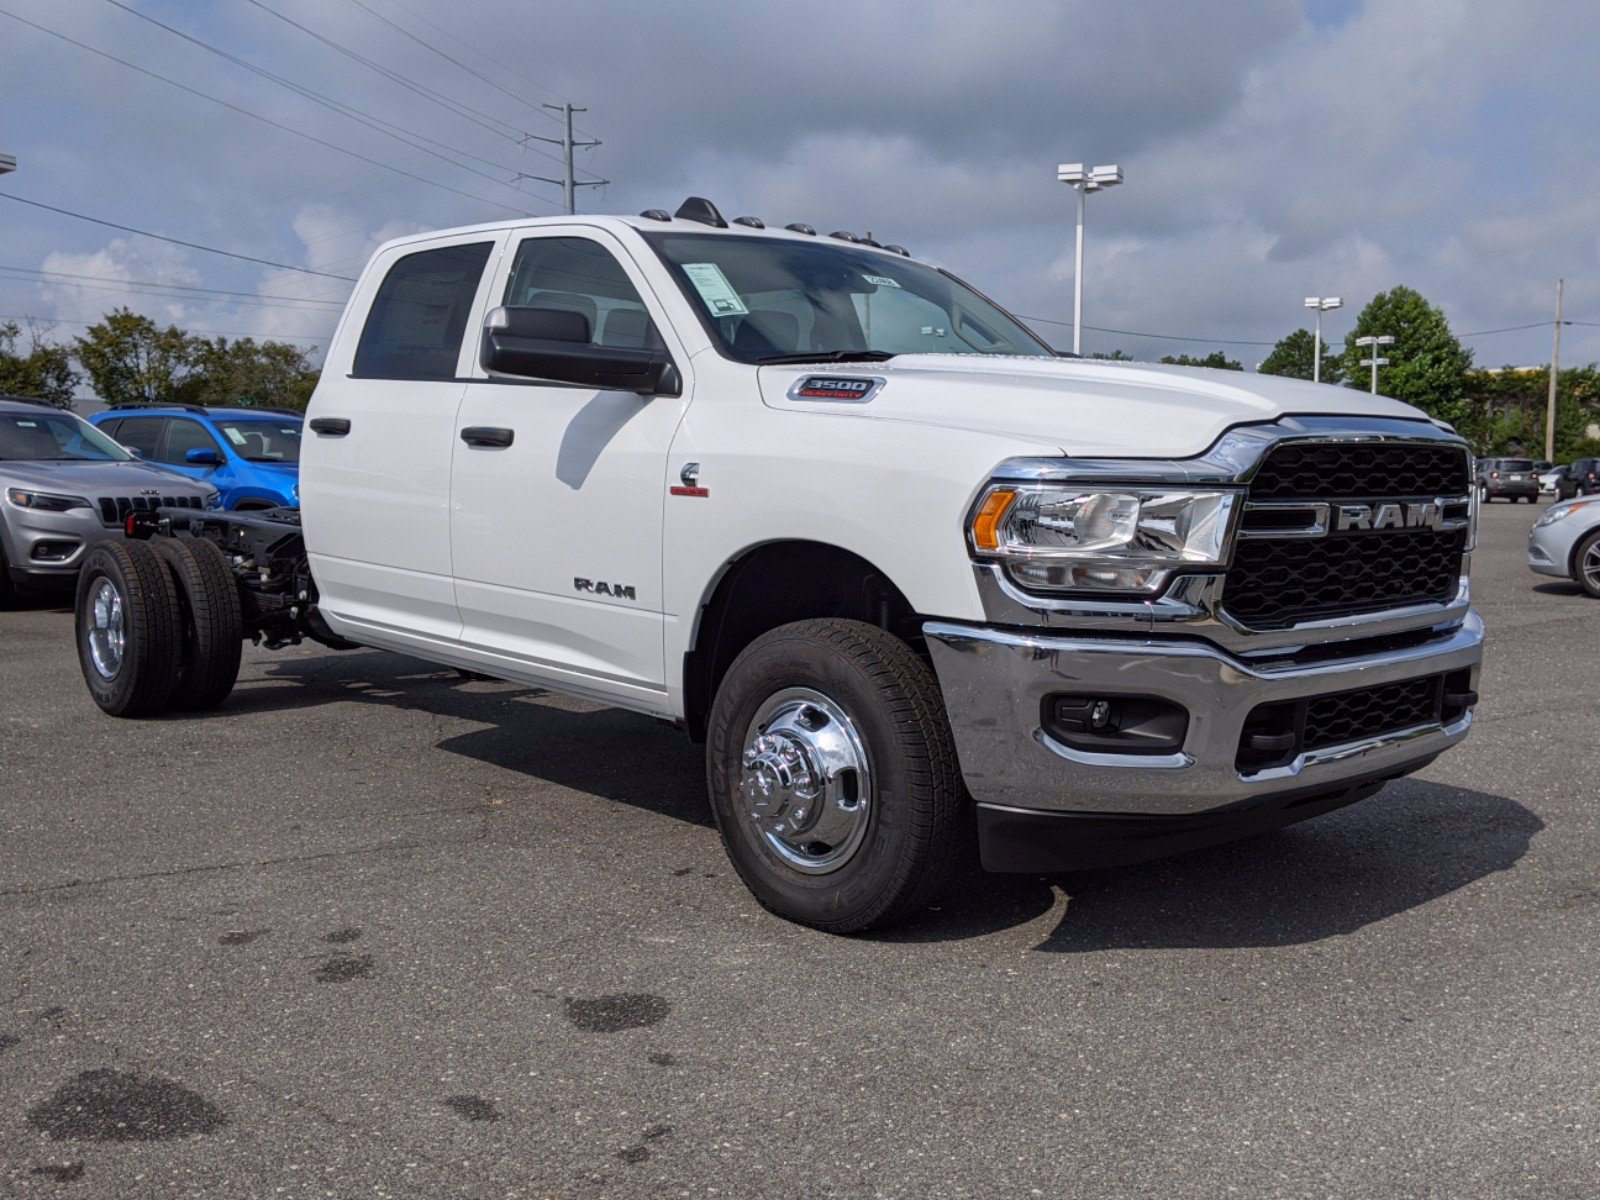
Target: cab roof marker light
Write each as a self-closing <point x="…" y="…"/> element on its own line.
<point x="656" y="214"/>
<point x="751" y="222"/>
<point x="845" y="236"/>
<point x="798" y="227"/>
<point x="900" y="250"/>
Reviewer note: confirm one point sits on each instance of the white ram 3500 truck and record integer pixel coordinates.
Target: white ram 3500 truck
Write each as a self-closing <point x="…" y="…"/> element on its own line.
<point x="915" y="579"/>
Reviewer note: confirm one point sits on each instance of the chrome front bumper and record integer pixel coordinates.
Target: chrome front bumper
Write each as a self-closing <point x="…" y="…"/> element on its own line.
<point x="995" y="682"/>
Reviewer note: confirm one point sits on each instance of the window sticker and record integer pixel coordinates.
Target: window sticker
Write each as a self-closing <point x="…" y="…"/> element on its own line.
<point x="27" y="424"/>
<point x="234" y="435"/>
<point x="880" y="281"/>
<point x="715" y="289"/>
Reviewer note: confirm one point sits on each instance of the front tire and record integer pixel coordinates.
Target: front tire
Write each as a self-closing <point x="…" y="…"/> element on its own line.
<point x="129" y="629"/>
<point x="833" y="776"/>
<point x="1586" y="564"/>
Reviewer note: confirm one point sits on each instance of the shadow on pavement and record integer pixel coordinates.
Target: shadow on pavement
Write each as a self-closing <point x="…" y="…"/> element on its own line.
<point x="606" y="752"/>
<point x="1412" y="843"/>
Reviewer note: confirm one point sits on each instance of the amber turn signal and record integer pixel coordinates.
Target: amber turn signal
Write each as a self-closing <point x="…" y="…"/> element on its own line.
<point x="986" y="525"/>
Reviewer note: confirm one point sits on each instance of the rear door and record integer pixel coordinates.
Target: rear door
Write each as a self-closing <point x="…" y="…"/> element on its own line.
<point x="557" y="535"/>
<point x="375" y="474"/>
<point x="142" y="434"/>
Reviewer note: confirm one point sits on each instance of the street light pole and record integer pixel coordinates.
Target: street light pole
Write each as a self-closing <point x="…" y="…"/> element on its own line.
<point x="1083" y="181"/>
<point x="1374" y="344"/>
<point x="1322" y="304"/>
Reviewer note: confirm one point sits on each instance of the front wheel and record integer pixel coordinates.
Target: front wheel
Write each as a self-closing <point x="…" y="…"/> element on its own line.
<point x="1586" y="564"/>
<point x="833" y="775"/>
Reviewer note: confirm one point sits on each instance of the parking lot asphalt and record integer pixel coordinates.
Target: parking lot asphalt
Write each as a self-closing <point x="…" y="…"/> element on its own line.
<point x="374" y="930"/>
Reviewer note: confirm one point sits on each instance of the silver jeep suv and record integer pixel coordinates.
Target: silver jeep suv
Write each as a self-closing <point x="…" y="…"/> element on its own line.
<point x="64" y="486"/>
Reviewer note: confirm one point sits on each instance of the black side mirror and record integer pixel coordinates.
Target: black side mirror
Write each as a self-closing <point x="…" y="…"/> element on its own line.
<point x="550" y="343"/>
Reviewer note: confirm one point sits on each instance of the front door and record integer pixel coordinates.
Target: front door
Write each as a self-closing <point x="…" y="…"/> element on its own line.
<point x="557" y="535"/>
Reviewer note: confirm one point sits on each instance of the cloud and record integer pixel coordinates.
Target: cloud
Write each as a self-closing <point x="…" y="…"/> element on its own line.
<point x="1273" y="149"/>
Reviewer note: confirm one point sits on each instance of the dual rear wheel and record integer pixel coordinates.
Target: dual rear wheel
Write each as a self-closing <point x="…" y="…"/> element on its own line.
<point x="158" y="626"/>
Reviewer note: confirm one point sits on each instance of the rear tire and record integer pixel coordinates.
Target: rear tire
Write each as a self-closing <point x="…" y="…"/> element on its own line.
<point x="833" y="776"/>
<point x="1586" y="564"/>
<point x="129" y="629"/>
<point x="8" y="590"/>
<point x="213" y="626"/>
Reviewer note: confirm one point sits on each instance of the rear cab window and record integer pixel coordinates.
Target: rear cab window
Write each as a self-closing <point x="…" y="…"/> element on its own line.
<point x="420" y="312"/>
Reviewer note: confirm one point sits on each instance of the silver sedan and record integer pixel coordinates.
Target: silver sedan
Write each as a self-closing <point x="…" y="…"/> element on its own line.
<point x="1565" y="542"/>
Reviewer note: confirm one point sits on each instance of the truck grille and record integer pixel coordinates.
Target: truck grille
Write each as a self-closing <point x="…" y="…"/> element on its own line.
<point x="1279" y="581"/>
<point x="115" y="509"/>
<point x="1276" y="734"/>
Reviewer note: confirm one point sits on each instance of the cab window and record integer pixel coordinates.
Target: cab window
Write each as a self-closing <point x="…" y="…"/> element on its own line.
<point x="581" y="276"/>
<point x="142" y="434"/>
<point x="420" y="314"/>
<point x="184" y="435"/>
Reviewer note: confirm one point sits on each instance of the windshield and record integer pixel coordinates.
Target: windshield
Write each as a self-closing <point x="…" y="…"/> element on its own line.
<point x="256" y="440"/>
<point x="771" y="299"/>
<point x="45" y="436"/>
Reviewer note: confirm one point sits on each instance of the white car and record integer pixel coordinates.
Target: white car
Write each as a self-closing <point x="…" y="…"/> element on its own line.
<point x="1565" y="542"/>
<point x="910" y="575"/>
<point x="1550" y="481"/>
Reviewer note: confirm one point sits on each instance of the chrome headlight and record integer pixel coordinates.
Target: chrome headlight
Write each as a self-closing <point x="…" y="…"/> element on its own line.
<point x="44" y="501"/>
<point x="1109" y="538"/>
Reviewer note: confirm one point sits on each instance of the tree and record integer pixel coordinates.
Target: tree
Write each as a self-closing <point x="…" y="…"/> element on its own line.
<point x="1292" y="357"/>
<point x="1427" y="364"/>
<point x="128" y="357"/>
<point x="1114" y="356"/>
<point x="1216" y="359"/>
<point x="247" y="372"/>
<point x="43" y="372"/>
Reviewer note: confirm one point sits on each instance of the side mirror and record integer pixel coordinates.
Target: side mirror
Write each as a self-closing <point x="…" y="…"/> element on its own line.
<point x="203" y="458"/>
<point x="549" y="343"/>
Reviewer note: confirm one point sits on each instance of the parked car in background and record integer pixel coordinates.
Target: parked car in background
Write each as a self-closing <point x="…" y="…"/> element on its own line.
<point x="1565" y="542"/>
<point x="66" y="487"/>
<point x="1550" y="480"/>
<point x="1510" y="478"/>
<point x="1582" y="479"/>
<point x="250" y="455"/>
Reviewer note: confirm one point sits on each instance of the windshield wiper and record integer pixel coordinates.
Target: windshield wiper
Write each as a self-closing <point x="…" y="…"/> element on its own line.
<point x="828" y="356"/>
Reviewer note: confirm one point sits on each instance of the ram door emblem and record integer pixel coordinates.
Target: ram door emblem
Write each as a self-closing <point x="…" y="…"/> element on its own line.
<point x="621" y="591"/>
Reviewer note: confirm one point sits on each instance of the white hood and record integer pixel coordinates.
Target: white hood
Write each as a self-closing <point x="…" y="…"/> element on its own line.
<point x="1081" y="407"/>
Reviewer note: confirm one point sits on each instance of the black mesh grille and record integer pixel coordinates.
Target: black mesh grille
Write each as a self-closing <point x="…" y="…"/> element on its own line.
<point x="1351" y="716"/>
<point x="1278" y="582"/>
<point x="115" y="509"/>
<point x="1377" y="471"/>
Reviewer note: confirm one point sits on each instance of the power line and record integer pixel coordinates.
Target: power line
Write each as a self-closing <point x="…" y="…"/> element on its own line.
<point x="510" y="70"/>
<point x="459" y="108"/>
<point x="1172" y="337"/>
<point x="183" y="287"/>
<point x="265" y="120"/>
<point x="284" y="337"/>
<point x="170" y="291"/>
<point x="161" y="237"/>
<point x="348" y="111"/>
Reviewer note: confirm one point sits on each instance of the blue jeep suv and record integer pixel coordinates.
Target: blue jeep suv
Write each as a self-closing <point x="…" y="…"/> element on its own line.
<point x="250" y="455"/>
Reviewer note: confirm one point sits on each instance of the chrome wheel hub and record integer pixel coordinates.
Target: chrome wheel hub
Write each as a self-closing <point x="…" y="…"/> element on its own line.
<point x="107" y="634"/>
<point x="805" y="782"/>
<point x="1591" y="565"/>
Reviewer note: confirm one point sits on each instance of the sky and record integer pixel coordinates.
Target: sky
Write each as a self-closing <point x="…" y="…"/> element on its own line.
<point x="1272" y="150"/>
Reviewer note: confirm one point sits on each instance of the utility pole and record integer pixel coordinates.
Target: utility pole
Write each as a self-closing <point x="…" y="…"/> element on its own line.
<point x="1555" y="369"/>
<point x="1322" y="304"/>
<point x="568" y="183"/>
<point x="1083" y="181"/>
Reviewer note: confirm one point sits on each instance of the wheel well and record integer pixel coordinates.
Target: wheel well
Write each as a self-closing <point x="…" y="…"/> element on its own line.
<point x="774" y="585"/>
